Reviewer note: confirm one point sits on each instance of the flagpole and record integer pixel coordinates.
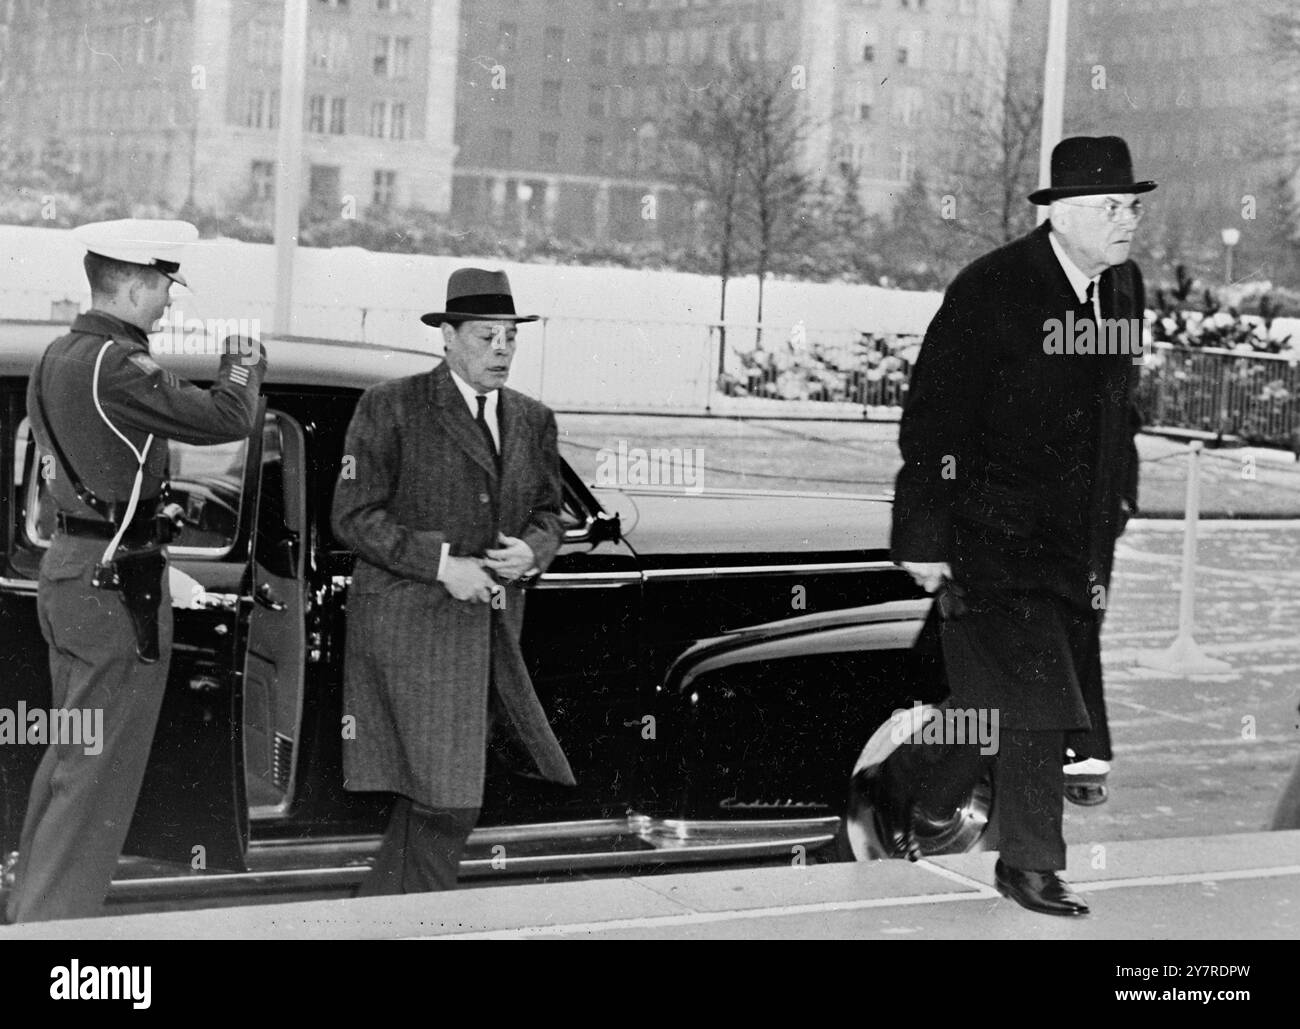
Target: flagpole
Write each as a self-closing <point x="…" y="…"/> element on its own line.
<point x="288" y="169"/>
<point x="1053" y="94"/>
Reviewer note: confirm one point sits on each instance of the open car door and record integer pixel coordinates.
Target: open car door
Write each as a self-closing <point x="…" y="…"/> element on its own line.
<point x="192" y="806"/>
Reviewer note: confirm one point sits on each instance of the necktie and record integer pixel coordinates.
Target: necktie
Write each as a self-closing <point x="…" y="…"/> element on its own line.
<point x="481" y="420"/>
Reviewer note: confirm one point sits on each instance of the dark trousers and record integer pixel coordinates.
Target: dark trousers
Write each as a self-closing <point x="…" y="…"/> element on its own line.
<point x="422" y="846"/>
<point x="421" y="849"/>
<point x="80" y="805"/>
<point x="1028" y="786"/>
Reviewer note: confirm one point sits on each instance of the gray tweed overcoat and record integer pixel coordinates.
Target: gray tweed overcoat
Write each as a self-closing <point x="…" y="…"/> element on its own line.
<point x="417" y="471"/>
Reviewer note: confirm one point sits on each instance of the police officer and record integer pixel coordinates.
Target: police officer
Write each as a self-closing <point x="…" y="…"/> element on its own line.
<point x="105" y="410"/>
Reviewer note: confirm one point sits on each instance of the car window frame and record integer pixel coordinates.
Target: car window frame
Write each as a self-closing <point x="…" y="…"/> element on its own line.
<point x="27" y="493"/>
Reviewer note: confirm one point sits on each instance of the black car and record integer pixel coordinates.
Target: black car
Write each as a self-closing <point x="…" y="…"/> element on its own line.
<point x="712" y="663"/>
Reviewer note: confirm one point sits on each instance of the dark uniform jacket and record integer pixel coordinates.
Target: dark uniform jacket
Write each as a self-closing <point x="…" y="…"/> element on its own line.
<point x="140" y="398"/>
<point x="419" y="663"/>
<point x="1015" y="460"/>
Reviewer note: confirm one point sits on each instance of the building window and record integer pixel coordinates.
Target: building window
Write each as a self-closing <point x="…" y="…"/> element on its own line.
<point x="911" y="42"/>
<point x="906" y="163"/>
<point x="392" y="57"/>
<point x="599" y="49"/>
<point x="255" y="113"/>
<point x="864" y="111"/>
<point x="593" y="154"/>
<point x="551" y="96"/>
<point x="908" y="104"/>
<point x="385" y="188"/>
<point x="388" y="119"/>
<point x="553" y="43"/>
<point x="393" y="6"/>
<point x="328" y="49"/>
<point x="264" y="43"/>
<point x="507" y="37"/>
<point x="263" y="180"/>
<point x="315" y="113"/>
<point x="337" y="5"/>
<point x="676" y="46"/>
<point x="596" y="101"/>
<point x="502" y="144"/>
<point x="548" y="149"/>
<point x="654" y="48"/>
<point x="338" y="116"/>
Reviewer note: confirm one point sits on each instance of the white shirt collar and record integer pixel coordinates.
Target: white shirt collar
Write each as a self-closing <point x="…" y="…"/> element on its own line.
<point x="469" y="393"/>
<point x="1078" y="281"/>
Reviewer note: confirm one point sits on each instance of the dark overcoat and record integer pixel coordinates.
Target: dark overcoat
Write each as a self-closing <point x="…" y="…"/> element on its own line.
<point x="994" y="431"/>
<point x="417" y="472"/>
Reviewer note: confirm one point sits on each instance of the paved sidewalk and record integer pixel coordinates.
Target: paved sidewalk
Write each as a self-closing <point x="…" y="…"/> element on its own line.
<point x="1224" y="887"/>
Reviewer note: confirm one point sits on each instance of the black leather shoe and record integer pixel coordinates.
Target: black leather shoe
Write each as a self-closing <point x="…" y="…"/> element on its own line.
<point x="891" y="815"/>
<point x="1086" y="794"/>
<point x="1045" y="892"/>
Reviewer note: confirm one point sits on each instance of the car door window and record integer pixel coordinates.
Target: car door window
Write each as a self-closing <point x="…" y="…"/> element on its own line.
<point x="206" y="482"/>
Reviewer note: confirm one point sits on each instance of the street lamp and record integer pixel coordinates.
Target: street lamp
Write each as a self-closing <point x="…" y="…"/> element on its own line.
<point x="1230" y="237"/>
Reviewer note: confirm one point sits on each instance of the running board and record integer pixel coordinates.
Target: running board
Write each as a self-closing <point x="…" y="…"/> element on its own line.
<point x="493" y="853"/>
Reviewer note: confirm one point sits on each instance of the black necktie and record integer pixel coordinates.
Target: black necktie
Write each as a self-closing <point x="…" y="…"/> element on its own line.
<point x="481" y="419"/>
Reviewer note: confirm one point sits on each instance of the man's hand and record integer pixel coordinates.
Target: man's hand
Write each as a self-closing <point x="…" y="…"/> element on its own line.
<point x="465" y="579"/>
<point x="929" y="575"/>
<point x="512" y="560"/>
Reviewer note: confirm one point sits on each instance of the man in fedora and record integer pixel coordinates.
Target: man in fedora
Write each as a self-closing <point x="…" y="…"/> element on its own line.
<point x="451" y="502"/>
<point x="1019" y="471"/>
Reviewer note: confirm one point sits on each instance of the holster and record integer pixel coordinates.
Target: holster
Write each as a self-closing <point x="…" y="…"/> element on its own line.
<point x="139" y="580"/>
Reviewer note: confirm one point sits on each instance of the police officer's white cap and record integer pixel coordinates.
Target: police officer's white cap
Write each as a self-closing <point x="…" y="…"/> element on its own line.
<point x="153" y="242"/>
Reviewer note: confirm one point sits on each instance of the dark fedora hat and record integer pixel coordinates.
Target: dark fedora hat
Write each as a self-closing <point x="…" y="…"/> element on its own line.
<point x="1088" y="165"/>
<point x="475" y="294"/>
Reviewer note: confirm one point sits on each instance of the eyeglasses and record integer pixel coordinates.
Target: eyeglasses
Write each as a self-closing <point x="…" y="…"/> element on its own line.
<point x="1113" y="208"/>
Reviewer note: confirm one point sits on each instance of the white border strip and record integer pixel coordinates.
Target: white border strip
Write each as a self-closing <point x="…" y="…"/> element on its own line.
<point x="981" y="891"/>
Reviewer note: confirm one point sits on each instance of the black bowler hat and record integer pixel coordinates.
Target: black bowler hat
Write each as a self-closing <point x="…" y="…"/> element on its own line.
<point x="475" y="294"/>
<point x="1089" y="165"/>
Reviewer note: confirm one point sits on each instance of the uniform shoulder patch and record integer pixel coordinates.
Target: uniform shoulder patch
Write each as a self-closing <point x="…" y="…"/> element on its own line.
<point x="149" y="366"/>
<point x="145" y="363"/>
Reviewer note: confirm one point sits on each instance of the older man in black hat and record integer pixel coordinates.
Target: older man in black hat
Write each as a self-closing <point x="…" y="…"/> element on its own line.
<point x="1019" y="472"/>
<point x="453" y="508"/>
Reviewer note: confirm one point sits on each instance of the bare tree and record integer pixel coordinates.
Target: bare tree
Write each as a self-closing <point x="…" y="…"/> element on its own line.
<point x="706" y="143"/>
<point x="775" y="131"/>
<point x="998" y="134"/>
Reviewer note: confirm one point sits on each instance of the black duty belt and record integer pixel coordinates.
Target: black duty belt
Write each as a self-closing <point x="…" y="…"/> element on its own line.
<point x="142" y="531"/>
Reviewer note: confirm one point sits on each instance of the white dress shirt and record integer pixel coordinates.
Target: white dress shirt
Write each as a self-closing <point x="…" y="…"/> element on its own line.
<point x="1078" y="281"/>
<point x="489" y="415"/>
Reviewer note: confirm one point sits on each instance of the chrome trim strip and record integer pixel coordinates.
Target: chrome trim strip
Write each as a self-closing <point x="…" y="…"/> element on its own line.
<point x="18" y="585"/>
<point x="587" y="580"/>
<point x="622" y="859"/>
<point x="668" y="841"/>
<point x="685" y="828"/>
<point x="740" y="571"/>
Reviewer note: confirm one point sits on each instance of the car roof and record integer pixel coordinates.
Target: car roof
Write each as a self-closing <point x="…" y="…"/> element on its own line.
<point x="292" y="360"/>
